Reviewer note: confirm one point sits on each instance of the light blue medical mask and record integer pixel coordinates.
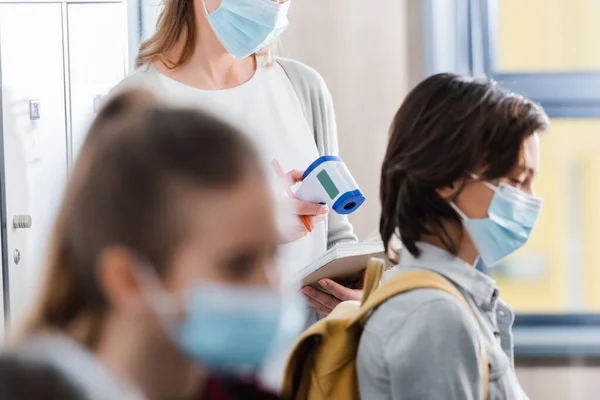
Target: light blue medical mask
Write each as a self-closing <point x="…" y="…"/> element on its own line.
<point x="231" y="329"/>
<point x="512" y="215"/>
<point x="246" y="26"/>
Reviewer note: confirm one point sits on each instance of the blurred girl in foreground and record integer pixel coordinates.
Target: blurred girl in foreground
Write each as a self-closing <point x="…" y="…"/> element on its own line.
<point x="162" y="274"/>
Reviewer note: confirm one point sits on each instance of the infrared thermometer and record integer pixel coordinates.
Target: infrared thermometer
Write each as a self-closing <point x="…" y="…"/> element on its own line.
<point x="328" y="181"/>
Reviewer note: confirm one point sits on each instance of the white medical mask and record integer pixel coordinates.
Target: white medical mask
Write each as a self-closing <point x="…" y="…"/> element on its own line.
<point x="512" y="215"/>
<point x="246" y="26"/>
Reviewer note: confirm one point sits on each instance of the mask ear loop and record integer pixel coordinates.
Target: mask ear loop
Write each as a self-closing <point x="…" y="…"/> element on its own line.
<point x="205" y="8"/>
<point x="483" y="182"/>
<point x="154" y="292"/>
<point x="458" y="192"/>
<point x="487" y="184"/>
<point x="459" y="211"/>
<point x="510" y="192"/>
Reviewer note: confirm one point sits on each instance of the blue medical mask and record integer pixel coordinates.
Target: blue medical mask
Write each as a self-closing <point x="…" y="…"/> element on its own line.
<point x="246" y="26"/>
<point x="512" y="215"/>
<point x="231" y="329"/>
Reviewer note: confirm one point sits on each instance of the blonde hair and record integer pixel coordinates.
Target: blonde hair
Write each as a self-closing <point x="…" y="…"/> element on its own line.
<point x="178" y="18"/>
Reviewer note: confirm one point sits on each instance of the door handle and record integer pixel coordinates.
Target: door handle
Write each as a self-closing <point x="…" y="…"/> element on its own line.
<point x="97" y="102"/>
<point x="22" y="221"/>
<point x="34" y="110"/>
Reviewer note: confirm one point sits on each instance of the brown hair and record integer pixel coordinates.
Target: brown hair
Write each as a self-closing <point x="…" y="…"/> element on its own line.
<point x="137" y="156"/>
<point x="448" y="125"/>
<point x="177" y="18"/>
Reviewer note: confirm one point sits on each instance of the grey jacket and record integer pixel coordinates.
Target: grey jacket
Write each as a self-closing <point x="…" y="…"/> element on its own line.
<point x="317" y="105"/>
<point x="423" y="345"/>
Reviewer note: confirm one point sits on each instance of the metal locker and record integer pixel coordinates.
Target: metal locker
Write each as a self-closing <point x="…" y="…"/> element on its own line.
<point x="34" y="136"/>
<point x="97" y="60"/>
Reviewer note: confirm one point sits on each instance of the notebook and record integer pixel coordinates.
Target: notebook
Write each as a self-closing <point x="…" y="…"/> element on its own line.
<point x="343" y="263"/>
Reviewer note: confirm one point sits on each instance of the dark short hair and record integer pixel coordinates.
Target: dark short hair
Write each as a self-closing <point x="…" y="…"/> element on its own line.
<point x="24" y="379"/>
<point x="448" y="125"/>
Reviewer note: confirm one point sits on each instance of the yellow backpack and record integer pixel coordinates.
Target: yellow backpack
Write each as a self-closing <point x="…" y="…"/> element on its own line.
<point x="322" y="364"/>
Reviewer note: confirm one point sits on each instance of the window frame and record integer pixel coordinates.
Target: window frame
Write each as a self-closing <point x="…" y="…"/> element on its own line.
<point x="462" y="36"/>
<point x="562" y="94"/>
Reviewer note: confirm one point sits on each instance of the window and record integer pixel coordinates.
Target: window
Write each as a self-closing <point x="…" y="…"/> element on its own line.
<point x="547" y="35"/>
<point x="549" y="51"/>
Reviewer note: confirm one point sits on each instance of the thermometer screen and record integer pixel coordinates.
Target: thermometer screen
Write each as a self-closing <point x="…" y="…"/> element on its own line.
<point x="328" y="184"/>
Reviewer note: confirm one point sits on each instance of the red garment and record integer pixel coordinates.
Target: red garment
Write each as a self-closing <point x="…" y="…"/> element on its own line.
<point x="219" y="389"/>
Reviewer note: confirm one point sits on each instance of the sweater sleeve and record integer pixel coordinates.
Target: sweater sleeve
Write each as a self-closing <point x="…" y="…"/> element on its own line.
<point x="339" y="228"/>
<point x="317" y="104"/>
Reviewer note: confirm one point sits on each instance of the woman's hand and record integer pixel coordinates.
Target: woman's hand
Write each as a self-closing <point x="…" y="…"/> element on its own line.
<point x="316" y="213"/>
<point x="324" y="303"/>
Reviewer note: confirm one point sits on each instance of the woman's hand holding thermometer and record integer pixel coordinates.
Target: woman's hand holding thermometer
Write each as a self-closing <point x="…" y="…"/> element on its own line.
<point x="310" y="214"/>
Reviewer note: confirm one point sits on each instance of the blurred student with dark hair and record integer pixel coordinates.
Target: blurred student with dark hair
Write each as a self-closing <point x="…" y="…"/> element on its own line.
<point x="22" y="379"/>
<point x="162" y="281"/>
<point x="456" y="186"/>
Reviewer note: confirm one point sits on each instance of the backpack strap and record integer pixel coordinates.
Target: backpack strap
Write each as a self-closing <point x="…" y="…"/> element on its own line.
<point x="373" y="274"/>
<point x="413" y="280"/>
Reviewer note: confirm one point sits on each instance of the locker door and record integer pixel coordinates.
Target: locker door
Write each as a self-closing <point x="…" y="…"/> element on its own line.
<point x="97" y="59"/>
<point x="34" y="133"/>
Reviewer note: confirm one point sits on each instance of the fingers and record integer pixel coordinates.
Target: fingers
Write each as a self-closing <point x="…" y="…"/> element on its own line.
<point x="341" y="292"/>
<point x="324" y="303"/>
<point x="321" y="302"/>
<point x="312" y="209"/>
<point x="300" y="231"/>
<point x="318" y="307"/>
<point x="295" y="175"/>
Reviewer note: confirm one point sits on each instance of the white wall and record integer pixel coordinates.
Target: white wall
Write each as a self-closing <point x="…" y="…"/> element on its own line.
<point x="369" y="54"/>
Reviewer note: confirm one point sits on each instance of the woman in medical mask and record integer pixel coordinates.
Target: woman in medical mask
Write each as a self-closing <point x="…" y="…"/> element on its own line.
<point x="217" y="55"/>
<point x="456" y="185"/>
<point x="158" y="277"/>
